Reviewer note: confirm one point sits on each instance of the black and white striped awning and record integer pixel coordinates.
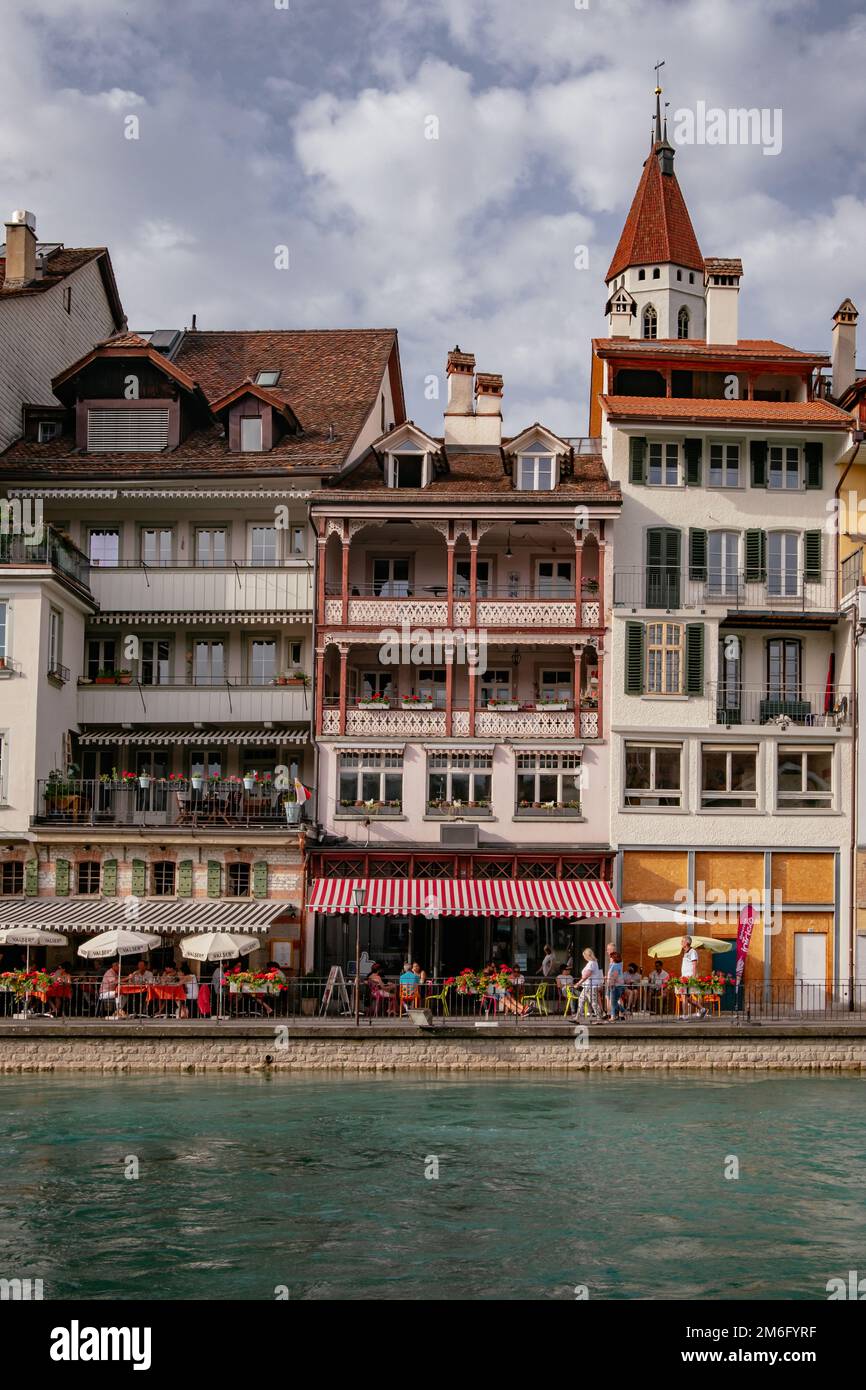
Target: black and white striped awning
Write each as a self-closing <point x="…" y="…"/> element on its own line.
<point x="174" y="617"/>
<point x="211" y="737"/>
<point x="144" y="914"/>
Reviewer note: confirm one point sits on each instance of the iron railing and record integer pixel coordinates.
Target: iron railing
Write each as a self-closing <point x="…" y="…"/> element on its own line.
<point x="51" y="548"/>
<point x="852" y="572"/>
<point x="826" y="707"/>
<point x="172" y="801"/>
<point x="669" y="589"/>
<point x="398" y="589"/>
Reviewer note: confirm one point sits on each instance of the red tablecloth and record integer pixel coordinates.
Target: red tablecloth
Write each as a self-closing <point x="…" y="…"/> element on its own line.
<point x="57" y="991"/>
<point x="165" y="992"/>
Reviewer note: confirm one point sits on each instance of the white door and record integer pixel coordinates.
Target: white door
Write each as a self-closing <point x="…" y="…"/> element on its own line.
<point x="810" y="971"/>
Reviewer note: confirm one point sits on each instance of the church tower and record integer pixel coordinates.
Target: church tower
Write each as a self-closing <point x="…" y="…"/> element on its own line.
<point x="655" y="283"/>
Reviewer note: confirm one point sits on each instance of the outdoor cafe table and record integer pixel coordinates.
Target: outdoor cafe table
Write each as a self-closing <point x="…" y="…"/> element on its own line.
<point x="55" y="991"/>
<point x="163" y="992"/>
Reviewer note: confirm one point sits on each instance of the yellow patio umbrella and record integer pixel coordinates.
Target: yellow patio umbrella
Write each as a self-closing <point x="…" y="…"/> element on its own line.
<point x="673" y="945"/>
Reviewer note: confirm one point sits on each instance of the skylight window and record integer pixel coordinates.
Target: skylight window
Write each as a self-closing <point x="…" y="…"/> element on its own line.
<point x="270" y="377"/>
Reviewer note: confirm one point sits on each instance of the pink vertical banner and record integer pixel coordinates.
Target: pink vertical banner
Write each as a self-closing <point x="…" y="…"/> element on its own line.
<point x="744" y="937"/>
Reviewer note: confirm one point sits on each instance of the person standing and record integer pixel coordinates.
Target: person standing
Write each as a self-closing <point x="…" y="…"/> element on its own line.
<point x="615" y="984"/>
<point x="688" y="969"/>
<point x="548" y="962"/>
<point x="591" y="981"/>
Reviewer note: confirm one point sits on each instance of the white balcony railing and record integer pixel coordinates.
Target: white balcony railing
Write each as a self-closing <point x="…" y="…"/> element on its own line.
<point x="242" y="589"/>
<point x="433" y="612"/>
<point x="497" y="724"/>
<point x="180" y="704"/>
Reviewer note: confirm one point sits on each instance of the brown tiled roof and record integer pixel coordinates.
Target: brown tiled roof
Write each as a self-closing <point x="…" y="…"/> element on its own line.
<point x="718" y="265"/>
<point x="475" y="475"/>
<point x="62" y="264"/>
<point x="757" y="348"/>
<point x="818" y="414"/>
<point x="658" y="227"/>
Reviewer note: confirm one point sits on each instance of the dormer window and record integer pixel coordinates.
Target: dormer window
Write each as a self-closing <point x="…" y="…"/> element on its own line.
<point x="268" y="377"/>
<point x="408" y="467"/>
<point x="536" y="470"/>
<point x="48" y="430"/>
<point x="251" y="434"/>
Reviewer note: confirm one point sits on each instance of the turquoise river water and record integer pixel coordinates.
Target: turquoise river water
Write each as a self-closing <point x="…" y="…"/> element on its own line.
<point x="317" y="1187"/>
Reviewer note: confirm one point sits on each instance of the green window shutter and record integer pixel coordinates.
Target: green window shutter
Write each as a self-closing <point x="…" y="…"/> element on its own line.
<point x="634" y="658"/>
<point x="812" y="557"/>
<point x="694" y="658"/>
<point x="814" y="456"/>
<point x="260" y="879"/>
<point x="214" y="878"/>
<point x="758" y="452"/>
<point x="139" y="878"/>
<point x="636" y="459"/>
<point x="184" y="878"/>
<point x="693" y="449"/>
<point x="756" y="557"/>
<point x="61" y="878"/>
<point x="31" y="878"/>
<point x="697" y="553"/>
<point x="109" y="878"/>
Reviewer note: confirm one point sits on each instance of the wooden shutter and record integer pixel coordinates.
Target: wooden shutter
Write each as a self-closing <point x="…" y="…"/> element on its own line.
<point x="694" y="658"/>
<point x="139" y="878"/>
<point x="758" y="453"/>
<point x="184" y="878"/>
<point x="634" y="658"/>
<point x="260" y="879"/>
<point x="61" y="878"/>
<point x="814" y="456"/>
<point x="693" y="449"/>
<point x="812" y="572"/>
<point x="31" y="877"/>
<point x="697" y="553"/>
<point x="214" y="878"/>
<point x="109" y="878"/>
<point x="636" y="459"/>
<point x="756" y="557"/>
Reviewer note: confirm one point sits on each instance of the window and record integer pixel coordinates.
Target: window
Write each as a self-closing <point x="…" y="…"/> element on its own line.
<point x="679" y="277"/>
<point x="683" y="322"/>
<point x="295" y="653"/>
<point x="208" y="661"/>
<point x="723" y="562"/>
<point x="156" y="545"/>
<point x="656" y="273"/>
<point x="370" y="776"/>
<point x="11" y="879"/>
<point x="4" y="753"/>
<point x="88" y="876"/>
<point x="641" y="275"/>
<point x="463" y="575"/>
<point x="464" y="777"/>
<point x="536" y="470"/>
<point x="4" y="625"/>
<point x="408" y="466"/>
<point x="163" y="878"/>
<point x="299" y="540"/>
<point x="211" y="545"/>
<point x="784" y="470"/>
<point x="269" y="376"/>
<point x="206" y="762"/>
<point x="431" y="686"/>
<point x="239" y="880"/>
<point x="784" y="660"/>
<point x="55" y="641"/>
<point x="104" y="545"/>
<point x="554" y="579"/>
<point x="547" y="781"/>
<point x="137" y="430"/>
<point x="724" y="465"/>
<point x="263" y="545"/>
<point x="390" y="578"/>
<point x="155" y="661"/>
<point x="650" y="322"/>
<point x="263" y="662"/>
<point x="729" y="778"/>
<point x="555" y="685"/>
<point x="804" y="780"/>
<point x="730" y="679"/>
<point x="664" y="464"/>
<point x="67" y="299"/>
<point x="251" y="434"/>
<point x="495" y="685"/>
<point x="664" y="658"/>
<point x="46" y="430"/>
<point x="653" y="775"/>
<point x="101" y="656"/>
<point x="783" y="560"/>
<point x="376" y="683"/>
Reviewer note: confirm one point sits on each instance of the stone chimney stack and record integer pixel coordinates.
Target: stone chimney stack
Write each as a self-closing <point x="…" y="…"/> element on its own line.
<point x="722" y="288"/>
<point x="473" y="415"/>
<point x="20" y="250"/>
<point x="488" y="408"/>
<point x="844" y="347"/>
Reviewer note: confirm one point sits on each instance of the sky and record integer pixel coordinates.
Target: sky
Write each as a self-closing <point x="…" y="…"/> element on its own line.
<point x="433" y="165"/>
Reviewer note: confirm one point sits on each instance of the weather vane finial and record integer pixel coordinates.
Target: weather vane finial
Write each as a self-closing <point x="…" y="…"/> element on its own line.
<point x="658" y="92"/>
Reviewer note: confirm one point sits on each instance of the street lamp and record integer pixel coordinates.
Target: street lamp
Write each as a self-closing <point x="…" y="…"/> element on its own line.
<point x="359" y="897"/>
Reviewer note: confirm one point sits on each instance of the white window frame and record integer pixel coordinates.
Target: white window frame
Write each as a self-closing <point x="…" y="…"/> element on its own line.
<point x="794" y="800"/>
<point x="725" y="467"/>
<point x="55" y="639"/>
<point x="200" y="640"/>
<point x="495" y="689"/>
<point x="475" y="765"/>
<point x="105" y="531"/>
<point x="255" y="677"/>
<point x="6" y="612"/>
<point x="651" y="796"/>
<point x="723" y="579"/>
<point x="729" y="794"/>
<point x="554" y="586"/>
<point x="251" y="434"/>
<point x="216" y="528"/>
<point x="4" y="763"/>
<point x="791" y="545"/>
<point x="538" y="764"/>
<point x="370" y="764"/>
<point x="665" y="447"/>
<point x="411" y="451"/>
<point x="159" y="533"/>
<point x="785" y="450"/>
<point x="536" y="472"/>
<point x="155" y="660"/>
<point x="262" y="560"/>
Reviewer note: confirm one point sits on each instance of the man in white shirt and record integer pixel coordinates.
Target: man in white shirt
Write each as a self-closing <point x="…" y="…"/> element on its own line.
<point x="688" y="968"/>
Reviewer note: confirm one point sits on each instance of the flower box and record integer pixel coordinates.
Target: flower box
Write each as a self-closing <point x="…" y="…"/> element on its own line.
<point x="542" y="705"/>
<point x="374" y="704"/>
<point x="416" y="704"/>
<point x="105" y="680"/>
<point x="511" y="705"/>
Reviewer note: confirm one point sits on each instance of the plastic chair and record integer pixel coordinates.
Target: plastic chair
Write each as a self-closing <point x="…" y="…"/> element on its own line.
<point x="572" y="995"/>
<point x="713" y="1004"/>
<point x="538" y="998"/>
<point x="440" y="998"/>
<point x="410" y="997"/>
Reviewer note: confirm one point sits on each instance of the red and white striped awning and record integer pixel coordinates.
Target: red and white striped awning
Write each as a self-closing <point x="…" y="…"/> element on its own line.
<point x="466" y="897"/>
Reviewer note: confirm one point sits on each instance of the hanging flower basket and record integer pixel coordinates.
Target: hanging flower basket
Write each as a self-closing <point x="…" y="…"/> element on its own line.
<point x="249" y="783"/>
<point x="144" y="780"/>
<point x="196" y="783"/>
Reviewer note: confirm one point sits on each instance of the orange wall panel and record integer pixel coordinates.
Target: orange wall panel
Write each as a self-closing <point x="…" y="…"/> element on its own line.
<point x="804" y="878"/>
<point x="648" y="876"/>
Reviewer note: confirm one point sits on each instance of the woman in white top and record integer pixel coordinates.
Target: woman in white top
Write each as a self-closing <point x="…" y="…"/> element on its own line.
<point x="591" y="981"/>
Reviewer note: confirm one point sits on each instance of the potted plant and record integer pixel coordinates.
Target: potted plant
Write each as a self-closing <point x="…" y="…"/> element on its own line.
<point x="104" y="677"/>
<point x="374" y="702"/>
<point x="297" y="677"/>
<point x="547" y="702"/>
<point x="144" y="780"/>
<point x="124" y="677"/>
<point x="503" y="704"/>
<point x="250" y="779"/>
<point x="197" y="781"/>
<point x="293" y="811"/>
<point x="590" y="586"/>
<point x="416" y="701"/>
<point x="280" y="680"/>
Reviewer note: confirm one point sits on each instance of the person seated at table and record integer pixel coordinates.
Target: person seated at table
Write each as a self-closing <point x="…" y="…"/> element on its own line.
<point x="631" y="994"/>
<point x="141" y="975"/>
<point x="185" y="977"/>
<point x="563" y="980"/>
<point x="658" y="978"/>
<point x="108" y="987"/>
<point x="379" y="990"/>
<point x="59" y="976"/>
<point x="410" y="982"/>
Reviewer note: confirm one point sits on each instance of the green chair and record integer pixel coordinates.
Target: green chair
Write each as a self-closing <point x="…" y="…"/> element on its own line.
<point x="572" y="996"/>
<point x="538" y="998"/>
<point x="440" y="998"/>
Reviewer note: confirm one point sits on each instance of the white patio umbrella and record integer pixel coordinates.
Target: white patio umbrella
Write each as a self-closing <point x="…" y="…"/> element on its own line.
<point x="218" y="946"/>
<point x="647" y="912"/>
<point x="120" y="942"/>
<point x="29" y="936"/>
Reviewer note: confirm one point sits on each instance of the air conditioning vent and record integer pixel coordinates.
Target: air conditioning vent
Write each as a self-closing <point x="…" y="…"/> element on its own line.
<point x="459" y="836"/>
<point x="126" y="431"/>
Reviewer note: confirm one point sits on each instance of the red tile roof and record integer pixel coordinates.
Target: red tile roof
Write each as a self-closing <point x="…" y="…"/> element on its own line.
<point x="476" y="475"/>
<point x="658" y="228"/>
<point x="699" y="347"/>
<point x="818" y="414"/>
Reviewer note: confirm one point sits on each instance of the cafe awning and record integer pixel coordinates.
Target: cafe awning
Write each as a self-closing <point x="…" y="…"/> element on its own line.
<point x="467" y="897"/>
<point x="211" y="737"/>
<point x="149" y="914"/>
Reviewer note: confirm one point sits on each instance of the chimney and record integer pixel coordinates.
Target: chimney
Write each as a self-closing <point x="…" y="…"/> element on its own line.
<point x="722" y="290"/>
<point x="844" y="347"/>
<point x="20" y="250"/>
<point x="460" y="369"/>
<point x="488" y="408"/>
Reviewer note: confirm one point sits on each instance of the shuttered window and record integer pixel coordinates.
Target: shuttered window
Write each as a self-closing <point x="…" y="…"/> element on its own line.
<point x="693" y="450"/>
<point x="812" y="557"/>
<point x="184" y="878"/>
<point x="139" y="878"/>
<point x="634" y="658"/>
<point x="637" y="457"/>
<point x="214" y="878"/>
<point x="31" y="878"/>
<point x="814" y="457"/>
<point x="122" y="431"/>
<point x="260" y="879"/>
<point x="61" y="878"/>
<point x="109" y="878"/>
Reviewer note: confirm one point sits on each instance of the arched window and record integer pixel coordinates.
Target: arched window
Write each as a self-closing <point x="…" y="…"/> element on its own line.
<point x="683" y="323"/>
<point x="650" y="322"/>
<point x="641" y="275"/>
<point x="656" y="273"/>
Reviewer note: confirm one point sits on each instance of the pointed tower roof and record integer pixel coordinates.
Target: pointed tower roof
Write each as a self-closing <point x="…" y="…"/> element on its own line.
<point x="658" y="227"/>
